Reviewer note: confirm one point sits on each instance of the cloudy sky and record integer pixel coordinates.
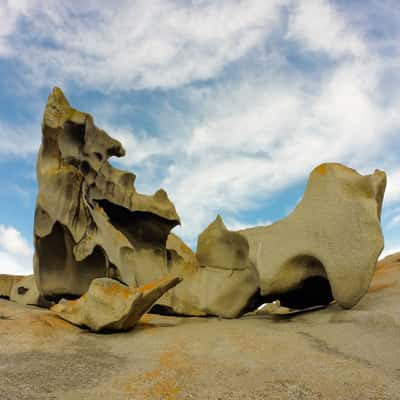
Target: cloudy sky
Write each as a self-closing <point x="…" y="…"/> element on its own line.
<point x="227" y="105"/>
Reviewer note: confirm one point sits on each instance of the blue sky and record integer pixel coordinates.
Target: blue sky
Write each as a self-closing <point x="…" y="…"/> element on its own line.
<point x="227" y="105"/>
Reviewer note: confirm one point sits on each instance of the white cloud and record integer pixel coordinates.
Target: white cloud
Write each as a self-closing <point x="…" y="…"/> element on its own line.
<point x="138" y="44"/>
<point x="257" y="138"/>
<point x="15" y="252"/>
<point x="320" y="27"/>
<point x="10" y="11"/>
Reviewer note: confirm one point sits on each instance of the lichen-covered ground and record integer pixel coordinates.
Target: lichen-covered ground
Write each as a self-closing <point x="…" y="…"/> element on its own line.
<point x="328" y="354"/>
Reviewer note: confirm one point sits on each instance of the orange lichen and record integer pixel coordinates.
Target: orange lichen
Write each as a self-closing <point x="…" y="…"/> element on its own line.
<point x="161" y="382"/>
<point x="321" y="169"/>
<point x="166" y="389"/>
<point x="376" y="287"/>
<point x="147" y="319"/>
<point x="117" y="291"/>
<point x="386" y="276"/>
<point x="148" y="286"/>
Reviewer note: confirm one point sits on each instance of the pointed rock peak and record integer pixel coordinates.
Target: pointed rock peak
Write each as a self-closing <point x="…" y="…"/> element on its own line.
<point x="217" y="225"/>
<point x="58" y="96"/>
<point x="219" y="247"/>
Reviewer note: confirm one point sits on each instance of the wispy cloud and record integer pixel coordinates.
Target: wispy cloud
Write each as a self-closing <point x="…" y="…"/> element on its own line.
<point x="320" y="27"/>
<point x="134" y="45"/>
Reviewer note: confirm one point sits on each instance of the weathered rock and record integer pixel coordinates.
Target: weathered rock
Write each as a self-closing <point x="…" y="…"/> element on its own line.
<point x="109" y="305"/>
<point x="334" y="233"/>
<point x="25" y="291"/>
<point x="220" y="248"/>
<point x="7" y="282"/>
<point x="219" y="280"/>
<point x="89" y="221"/>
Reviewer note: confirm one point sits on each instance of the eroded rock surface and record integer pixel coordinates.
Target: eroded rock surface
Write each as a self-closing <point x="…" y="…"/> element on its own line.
<point x="333" y="233"/>
<point x="110" y="305"/>
<point x="219" y="279"/>
<point x="26" y="292"/>
<point x="90" y="222"/>
<point x="7" y="282"/>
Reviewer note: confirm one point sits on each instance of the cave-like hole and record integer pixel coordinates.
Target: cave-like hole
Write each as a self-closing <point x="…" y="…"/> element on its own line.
<point x="85" y="168"/>
<point x="98" y="156"/>
<point x="76" y="132"/>
<point x="313" y="291"/>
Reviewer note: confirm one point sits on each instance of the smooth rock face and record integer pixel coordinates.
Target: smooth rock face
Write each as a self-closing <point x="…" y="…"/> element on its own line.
<point x="89" y="221"/>
<point x="110" y="305"/>
<point x="334" y="232"/>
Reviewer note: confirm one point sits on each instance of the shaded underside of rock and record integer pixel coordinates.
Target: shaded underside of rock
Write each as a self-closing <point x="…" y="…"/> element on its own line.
<point x="334" y="233"/>
<point x="110" y="305"/>
<point x="89" y="220"/>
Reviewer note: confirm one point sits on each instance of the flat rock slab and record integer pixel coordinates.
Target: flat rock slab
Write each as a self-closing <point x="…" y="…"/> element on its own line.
<point x="327" y="354"/>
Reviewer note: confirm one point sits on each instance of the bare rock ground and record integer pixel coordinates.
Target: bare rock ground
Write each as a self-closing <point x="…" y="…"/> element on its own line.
<point x="329" y="354"/>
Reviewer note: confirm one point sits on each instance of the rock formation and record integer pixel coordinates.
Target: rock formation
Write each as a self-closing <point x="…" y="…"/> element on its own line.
<point x="89" y="221"/>
<point x="26" y="292"/>
<point x="22" y="290"/>
<point x="7" y="282"/>
<point x="109" y="305"/>
<point x="333" y="233"/>
<point x="219" y="279"/>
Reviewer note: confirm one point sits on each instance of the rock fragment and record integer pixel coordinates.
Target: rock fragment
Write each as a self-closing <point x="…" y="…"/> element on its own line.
<point x="90" y="222"/>
<point x="110" y="305"/>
